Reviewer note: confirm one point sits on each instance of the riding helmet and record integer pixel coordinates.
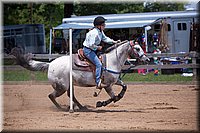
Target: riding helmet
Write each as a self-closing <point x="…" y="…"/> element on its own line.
<point x="99" y="20"/>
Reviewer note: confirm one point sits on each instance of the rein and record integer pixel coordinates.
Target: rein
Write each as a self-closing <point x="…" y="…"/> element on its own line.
<point x="111" y="71"/>
<point x="131" y="44"/>
<point x="118" y="58"/>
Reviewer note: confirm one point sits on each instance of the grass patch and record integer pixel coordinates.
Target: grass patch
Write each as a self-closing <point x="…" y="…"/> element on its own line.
<point x="25" y="75"/>
<point x="9" y="62"/>
<point x="151" y="78"/>
<point x="41" y="76"/>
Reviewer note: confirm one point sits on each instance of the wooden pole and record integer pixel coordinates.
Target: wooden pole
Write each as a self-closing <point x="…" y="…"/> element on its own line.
<point x="194" y="62"/>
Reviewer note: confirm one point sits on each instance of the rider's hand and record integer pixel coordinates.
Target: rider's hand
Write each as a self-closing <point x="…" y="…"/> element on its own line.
<point x="99" y="48"/>
<point x="118" y="41"/>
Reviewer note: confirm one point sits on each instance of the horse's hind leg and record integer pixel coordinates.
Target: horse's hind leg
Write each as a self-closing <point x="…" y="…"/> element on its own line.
<point x="58" y="91"/>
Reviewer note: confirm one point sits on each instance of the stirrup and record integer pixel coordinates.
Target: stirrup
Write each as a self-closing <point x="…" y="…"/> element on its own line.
<point x="99" y="85"/>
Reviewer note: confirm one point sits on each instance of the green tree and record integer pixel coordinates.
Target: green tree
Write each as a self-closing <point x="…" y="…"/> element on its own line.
<point x="168" y="6"/>
<point x="82" y="9"/>
<point x="34" y="13"/>
<point x="105" y="8"/>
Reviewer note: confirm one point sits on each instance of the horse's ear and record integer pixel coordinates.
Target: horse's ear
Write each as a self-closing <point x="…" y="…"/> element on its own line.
<point x="132" y="43"/>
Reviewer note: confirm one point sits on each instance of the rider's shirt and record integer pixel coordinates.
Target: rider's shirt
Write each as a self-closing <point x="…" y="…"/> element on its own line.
<point x="94" y="38"/>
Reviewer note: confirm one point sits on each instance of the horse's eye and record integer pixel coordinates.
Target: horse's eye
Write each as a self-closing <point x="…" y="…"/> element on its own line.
<point x="137" y="49"/>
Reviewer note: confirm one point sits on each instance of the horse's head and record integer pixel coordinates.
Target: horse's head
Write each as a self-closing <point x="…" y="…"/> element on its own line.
<point x="136" y="48"/>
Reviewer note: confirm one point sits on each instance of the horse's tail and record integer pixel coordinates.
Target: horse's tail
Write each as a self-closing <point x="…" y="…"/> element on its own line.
<point x="25" y="61"/>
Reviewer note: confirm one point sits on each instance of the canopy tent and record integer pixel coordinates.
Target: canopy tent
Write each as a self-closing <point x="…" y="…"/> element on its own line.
<point x="114" y="21"/>
<point x="109" y="25"/>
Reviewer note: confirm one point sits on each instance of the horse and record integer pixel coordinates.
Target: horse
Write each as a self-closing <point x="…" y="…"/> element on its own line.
<point x="59" y="72"/>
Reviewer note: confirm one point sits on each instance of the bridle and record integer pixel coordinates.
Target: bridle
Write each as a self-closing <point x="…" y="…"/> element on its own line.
<point x="132" y="50"/>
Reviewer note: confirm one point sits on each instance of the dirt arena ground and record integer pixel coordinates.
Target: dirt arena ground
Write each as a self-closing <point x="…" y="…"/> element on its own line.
<point x="145" y="107"/>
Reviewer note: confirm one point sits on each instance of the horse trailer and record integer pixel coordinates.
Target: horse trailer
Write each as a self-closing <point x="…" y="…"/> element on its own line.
<point x="177" y="36"/>
<point x="29" y="37"/>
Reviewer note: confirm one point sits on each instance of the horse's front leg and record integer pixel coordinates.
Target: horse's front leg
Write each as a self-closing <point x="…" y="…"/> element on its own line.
<point x="121" y="94"/>
<point x="112" y="95"/>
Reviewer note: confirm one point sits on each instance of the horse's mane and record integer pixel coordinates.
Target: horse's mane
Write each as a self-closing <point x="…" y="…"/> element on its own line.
<point x="114" y="46"/>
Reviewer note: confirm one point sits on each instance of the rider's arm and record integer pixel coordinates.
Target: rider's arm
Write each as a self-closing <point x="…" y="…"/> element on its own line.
<point x="106" y="39"/>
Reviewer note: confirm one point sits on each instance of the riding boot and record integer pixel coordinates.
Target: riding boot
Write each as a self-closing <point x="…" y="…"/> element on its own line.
<point x="100" y="85"/>
<point x="98" y="89"/>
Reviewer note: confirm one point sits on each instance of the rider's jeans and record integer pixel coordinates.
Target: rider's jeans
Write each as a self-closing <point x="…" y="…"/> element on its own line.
<point x="91" y="55"/>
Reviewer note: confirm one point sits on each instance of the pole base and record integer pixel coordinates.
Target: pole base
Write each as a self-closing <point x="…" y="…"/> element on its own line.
<point x="71" y="111"/>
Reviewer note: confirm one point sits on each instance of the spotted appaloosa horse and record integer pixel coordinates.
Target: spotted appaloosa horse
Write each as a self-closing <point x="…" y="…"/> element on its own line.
<point x="59" y="72"/>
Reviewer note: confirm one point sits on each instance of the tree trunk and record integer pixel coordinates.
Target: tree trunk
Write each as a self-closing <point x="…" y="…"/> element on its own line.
<point x="68" y="10"/>
<point x="30" y="6"/>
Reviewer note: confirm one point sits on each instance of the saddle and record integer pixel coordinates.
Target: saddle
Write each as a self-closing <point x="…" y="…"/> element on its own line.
<point x="80" y="62"/>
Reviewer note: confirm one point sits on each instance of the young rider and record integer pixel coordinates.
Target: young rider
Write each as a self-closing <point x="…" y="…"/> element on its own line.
<point x="91" y="46"/>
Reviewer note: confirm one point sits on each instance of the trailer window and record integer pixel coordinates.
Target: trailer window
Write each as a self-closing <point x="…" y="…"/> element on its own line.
<point x="169" y="27"/>
<point x="182" y="26"/>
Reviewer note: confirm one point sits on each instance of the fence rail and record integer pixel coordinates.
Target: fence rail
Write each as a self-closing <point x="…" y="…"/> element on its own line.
<point x="166" y="66"/>
<point x="192" y="54"/>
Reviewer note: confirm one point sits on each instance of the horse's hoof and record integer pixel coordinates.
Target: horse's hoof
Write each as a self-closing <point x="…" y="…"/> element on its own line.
<point x="99" y="104"/>
<point x="95" y="94"/>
